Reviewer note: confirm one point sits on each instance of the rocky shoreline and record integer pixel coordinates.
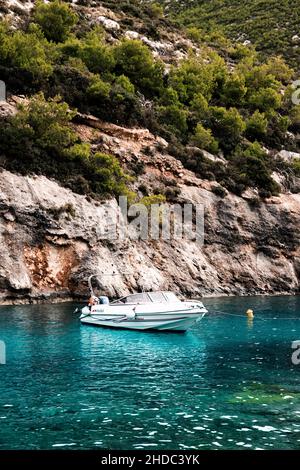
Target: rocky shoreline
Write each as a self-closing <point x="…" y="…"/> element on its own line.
<point x="54" y="299"/>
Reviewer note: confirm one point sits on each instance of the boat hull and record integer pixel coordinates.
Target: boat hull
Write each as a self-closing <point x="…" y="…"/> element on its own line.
<point x="166" y="324"/>
<point x="166" y="318"/>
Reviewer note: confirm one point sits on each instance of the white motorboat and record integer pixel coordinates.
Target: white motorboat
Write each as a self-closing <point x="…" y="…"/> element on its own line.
<point x="161" y="310"/>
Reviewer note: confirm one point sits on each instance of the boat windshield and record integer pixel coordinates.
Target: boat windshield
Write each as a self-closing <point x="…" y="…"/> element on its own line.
<point x="171" y="297"/>
<point x="137" y="299"/>
<point x="149" y="297"/>
<point x="157" y="297"/>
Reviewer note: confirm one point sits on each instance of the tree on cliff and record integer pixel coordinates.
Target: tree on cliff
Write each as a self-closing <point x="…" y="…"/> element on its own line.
<point x="56" y="19"/>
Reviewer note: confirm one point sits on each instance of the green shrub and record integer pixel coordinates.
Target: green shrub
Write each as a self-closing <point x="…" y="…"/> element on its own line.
<point x="72" y="47"/>
<point x="40" y="139"/>
<point x="234" y="90"/>
<point x="296" y="167"/>
<point x="241" y="51"/>
<point x="108" y="177"/>
<point x="28" y="51"/>
<point x="277" y="128"/>
<point x="277" y="67"/>
<point x="265" y="99"/>
<point x="169" y="97"/>
<point x="227" y="126"/>
<point x="115" y="101"/>
<point x="71" y="81"/>
<point x="55" y="18"/>
<point x="4" y="32"/>
<point x="155" y="10"/>
<point x="80" y="151"/>
<point x="98" y="90"/>
<point x="123" y="85"/>
<point x="92" y="50"/>
<point x="46" y="123"/>
<point x="254" y="168"/>
<point x="123" y="106"/>
<point x="257" y="76"/>
<point x="216" y="38"/>
<point x="97" y="56"/>
<point x="192" y="77"/>
<point x="147" y="201"/>
<point x="204" y="139"/>
<point x="174" y="118"/>
<point x="219" y="191"/>
<point x="195" y="34"/>
<point x="135" y="60"/>
<point x="256" y="126"/>
<point x="199" y="107"/>
<point x="295" y="118"/>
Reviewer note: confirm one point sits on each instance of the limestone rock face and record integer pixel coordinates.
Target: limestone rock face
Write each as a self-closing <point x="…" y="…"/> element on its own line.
<point x="6" y="110"/>
<point x="288" y="156"/>
<point x="51" y="240"/>
<point x="108" y="23"/>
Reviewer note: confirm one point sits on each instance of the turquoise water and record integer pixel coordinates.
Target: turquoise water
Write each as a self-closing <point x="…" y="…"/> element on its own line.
<point x="226" y="384"/>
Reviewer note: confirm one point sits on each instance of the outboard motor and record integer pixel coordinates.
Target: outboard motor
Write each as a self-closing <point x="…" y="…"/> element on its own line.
<point x="103" y="300"/>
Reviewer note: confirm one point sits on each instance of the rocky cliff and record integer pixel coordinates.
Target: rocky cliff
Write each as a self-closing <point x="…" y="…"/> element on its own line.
<point x="52" y="239"/>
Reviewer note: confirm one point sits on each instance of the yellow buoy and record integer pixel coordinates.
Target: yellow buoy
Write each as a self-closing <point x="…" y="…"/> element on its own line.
<point x="250" y="313"/>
